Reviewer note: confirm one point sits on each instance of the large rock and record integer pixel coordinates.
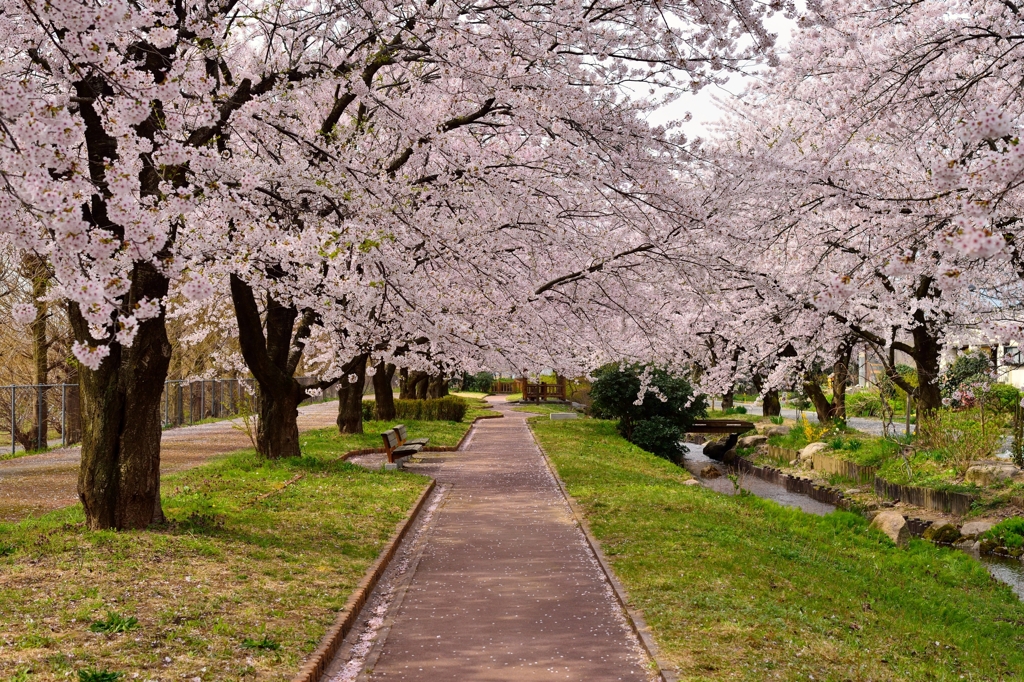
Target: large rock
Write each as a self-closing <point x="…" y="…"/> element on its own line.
<point x="975" y="528"/>
<point x="691" y="481"/>
<point x="777" y="430"/>
<point x="894" y="525"/>
<point x="752" y="441"/>
<point x="807" y="454"/>
<point x="710" y="471"/>
<point x="717" y="449"/>
<point x="989" y="472"/>
<point x="943" y="533"/>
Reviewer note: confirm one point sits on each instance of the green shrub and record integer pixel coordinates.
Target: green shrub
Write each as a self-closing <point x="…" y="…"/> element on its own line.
<point x="670" y="399"/>
<point x="369" y="407"/>
<point x="776" y="419"/>
<point x="450" y="408"/>
<point x="865" y="402"/>
<point x="970" y="367"/>
<point x="660" y="436"/>
<point x="735" y="410"/>
<point x="1003" y="397"/>
<point x="1007" y="533"/>
<point x="479" y="383"/>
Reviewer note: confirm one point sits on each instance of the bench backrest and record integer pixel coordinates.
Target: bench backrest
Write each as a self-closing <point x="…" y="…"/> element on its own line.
<point x="391" y="440"/>
<point x="403" y="433"/>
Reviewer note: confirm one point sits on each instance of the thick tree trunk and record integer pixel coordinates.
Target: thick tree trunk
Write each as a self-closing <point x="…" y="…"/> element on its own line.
<point x="728" y="399"/>
<point x="821" y="405"/>
<point x="119" y="476"/>
<point x="771" y="406"/>
<point x="840" y="376"/>
<point x="350" y="395"/>
<point x="928" y="351"/>
<point x="405" y="387"/>
<point x="437" y="386"/>
<point x="415" y="386"/>
<point x="277" y="426"/>
<point x="384" y="396"/>
<point x="272" y="359"/>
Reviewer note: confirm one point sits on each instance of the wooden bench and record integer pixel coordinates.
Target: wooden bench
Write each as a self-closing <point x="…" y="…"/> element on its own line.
<point x="403" y="436"/>
<point x="399" y="449"/>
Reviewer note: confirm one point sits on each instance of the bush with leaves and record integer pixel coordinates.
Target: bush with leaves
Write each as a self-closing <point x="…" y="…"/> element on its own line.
<point x="962" y="379"/>
<point x="477" y="383"/>
<point x="655" y="421"/>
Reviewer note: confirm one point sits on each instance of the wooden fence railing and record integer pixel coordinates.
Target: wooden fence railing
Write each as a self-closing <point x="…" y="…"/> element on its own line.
<point x="544" y="391"/>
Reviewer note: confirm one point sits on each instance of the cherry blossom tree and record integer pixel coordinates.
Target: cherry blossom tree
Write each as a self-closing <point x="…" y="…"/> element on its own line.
<point x="152" y="147"/>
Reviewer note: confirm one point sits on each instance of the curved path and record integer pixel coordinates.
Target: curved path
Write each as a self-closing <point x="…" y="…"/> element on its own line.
<point x="502" y="586"/>
<point x="39" y="483"/>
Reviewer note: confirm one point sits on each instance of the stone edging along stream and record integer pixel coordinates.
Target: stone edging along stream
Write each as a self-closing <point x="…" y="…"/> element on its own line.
<point x="927" y="498"/>
<point x="816" y="491"/>
<point x="318" y="661"/>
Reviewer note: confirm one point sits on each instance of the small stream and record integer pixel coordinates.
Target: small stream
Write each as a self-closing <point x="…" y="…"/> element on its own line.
<point x="1009" y="571"/>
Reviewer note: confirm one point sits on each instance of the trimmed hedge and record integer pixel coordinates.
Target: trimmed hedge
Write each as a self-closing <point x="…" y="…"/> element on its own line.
<point x="450" y="408"/>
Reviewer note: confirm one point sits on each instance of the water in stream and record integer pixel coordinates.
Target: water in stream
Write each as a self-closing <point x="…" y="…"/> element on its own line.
<point x="1009" y="571"/>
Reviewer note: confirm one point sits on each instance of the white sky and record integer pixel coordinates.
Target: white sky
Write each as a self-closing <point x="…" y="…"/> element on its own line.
<point x="702" y="106"/>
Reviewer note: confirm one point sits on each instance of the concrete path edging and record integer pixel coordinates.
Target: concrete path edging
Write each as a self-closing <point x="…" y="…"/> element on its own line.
<point x="633" y="617"/>
<point x="316" y="664"/>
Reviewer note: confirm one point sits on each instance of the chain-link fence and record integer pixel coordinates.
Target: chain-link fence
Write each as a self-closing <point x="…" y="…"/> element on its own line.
<point x="36" y="417"/>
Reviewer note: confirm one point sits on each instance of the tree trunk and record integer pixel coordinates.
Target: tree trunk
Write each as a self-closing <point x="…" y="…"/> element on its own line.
<point x="840" y="375"/>
<point x="272" y="359"/>
<point x="277" y="426"/>
<point x="418" y="385"/>
<point x="928" y="351"/>
<point x="821" y="405"/>
<point x="437" y="386"/>
<point x="403" y="384"/>
<point x="384" y="396"/>
<point x="119" y="476"/>
<point x="350" y="395"/>
<point x="728" y="399"/>
<point x="35" y="269"/>
<point x="771" y="406"/>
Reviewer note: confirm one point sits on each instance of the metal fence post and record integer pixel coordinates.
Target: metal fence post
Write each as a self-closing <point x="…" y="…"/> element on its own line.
<point x="42" y="441"/>
<point x="63" y="415"/>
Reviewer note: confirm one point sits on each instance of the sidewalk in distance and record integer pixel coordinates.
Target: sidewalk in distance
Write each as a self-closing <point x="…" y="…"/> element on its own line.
<point x="742" y="588"/>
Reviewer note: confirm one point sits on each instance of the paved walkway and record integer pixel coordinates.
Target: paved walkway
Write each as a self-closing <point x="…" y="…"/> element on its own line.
<point x="504" y="586"/>
<point x="39" y="483"/>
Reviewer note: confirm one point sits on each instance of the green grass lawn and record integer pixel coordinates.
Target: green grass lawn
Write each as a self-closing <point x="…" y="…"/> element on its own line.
<point x="738" y="588"/>
<point x="240" y="584"/>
